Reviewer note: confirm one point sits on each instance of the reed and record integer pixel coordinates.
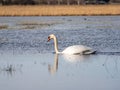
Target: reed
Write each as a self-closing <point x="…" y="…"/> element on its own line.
<point x="59" y="10"/>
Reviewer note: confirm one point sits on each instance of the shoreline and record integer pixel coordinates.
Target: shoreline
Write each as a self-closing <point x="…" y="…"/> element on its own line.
<point x="61" y="10"/>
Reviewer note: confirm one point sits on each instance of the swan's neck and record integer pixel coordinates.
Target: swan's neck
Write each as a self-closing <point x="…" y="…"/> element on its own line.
<point x="56" y="45"/>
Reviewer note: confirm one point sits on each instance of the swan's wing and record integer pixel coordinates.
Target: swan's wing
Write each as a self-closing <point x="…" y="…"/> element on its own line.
<point x="87" y="52"/>
<point x="77" y="49"/>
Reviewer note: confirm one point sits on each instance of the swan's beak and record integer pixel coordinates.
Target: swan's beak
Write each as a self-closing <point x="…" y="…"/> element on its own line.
<point x="48" y="39"/>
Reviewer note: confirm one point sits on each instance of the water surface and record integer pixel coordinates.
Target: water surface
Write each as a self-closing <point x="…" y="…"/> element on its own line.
<point x="28" y="61"/>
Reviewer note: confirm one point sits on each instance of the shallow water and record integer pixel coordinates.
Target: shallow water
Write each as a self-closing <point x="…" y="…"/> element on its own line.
<point x="27" y="60"/>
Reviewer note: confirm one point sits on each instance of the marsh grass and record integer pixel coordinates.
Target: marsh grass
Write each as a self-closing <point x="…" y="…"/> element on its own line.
<point x="33" y="25"/>
<point x="59" y="10"/>
<point x="4" y="26"/>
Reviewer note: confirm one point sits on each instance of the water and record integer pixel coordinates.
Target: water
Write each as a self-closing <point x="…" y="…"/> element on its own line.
<point x="28" y="62"/>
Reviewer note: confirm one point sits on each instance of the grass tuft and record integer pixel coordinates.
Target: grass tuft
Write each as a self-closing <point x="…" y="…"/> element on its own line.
<point x="3" y="26"/>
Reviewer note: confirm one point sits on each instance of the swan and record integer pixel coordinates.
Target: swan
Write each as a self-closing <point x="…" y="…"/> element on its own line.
<point x="72" y="50"/>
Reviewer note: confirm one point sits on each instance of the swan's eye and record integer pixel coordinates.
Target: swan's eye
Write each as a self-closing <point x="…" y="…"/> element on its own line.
<point x="48" y="38"/>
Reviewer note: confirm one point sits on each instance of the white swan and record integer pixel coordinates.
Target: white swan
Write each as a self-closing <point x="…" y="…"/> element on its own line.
<point x="76" y="49"/>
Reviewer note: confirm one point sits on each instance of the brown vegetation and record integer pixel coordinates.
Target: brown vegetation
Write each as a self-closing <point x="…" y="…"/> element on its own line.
<point x="59" y="10"/>
<point x="3" y="27"/>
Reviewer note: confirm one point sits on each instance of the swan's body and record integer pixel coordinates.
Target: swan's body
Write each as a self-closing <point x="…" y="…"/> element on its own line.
<point x="75" y="49"/>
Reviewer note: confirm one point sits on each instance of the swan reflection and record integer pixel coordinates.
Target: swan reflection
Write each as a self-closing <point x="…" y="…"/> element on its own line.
<point x="75" y="58"/>
<point x="53" y="69"/>
<point x="70" y="58"/>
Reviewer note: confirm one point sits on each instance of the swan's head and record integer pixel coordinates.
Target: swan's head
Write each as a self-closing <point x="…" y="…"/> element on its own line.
<point x="51" y="36"/>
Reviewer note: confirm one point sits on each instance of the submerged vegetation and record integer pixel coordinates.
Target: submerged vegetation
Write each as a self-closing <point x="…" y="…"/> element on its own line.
<point x="59" y="10"/>
<point x="29" y="25"/>
<point x="36" y="23"/>
<point x="3" y="27"/>
<point x="33" y="25"/>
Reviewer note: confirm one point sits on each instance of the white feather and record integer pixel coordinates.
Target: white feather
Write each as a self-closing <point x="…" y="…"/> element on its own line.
<point x="77" y="49"/>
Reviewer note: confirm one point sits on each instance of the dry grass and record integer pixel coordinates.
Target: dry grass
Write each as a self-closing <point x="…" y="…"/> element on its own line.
<point x="33" y="25"/>
<point x="62" y="10"/>
<point x="3" y="27"/>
